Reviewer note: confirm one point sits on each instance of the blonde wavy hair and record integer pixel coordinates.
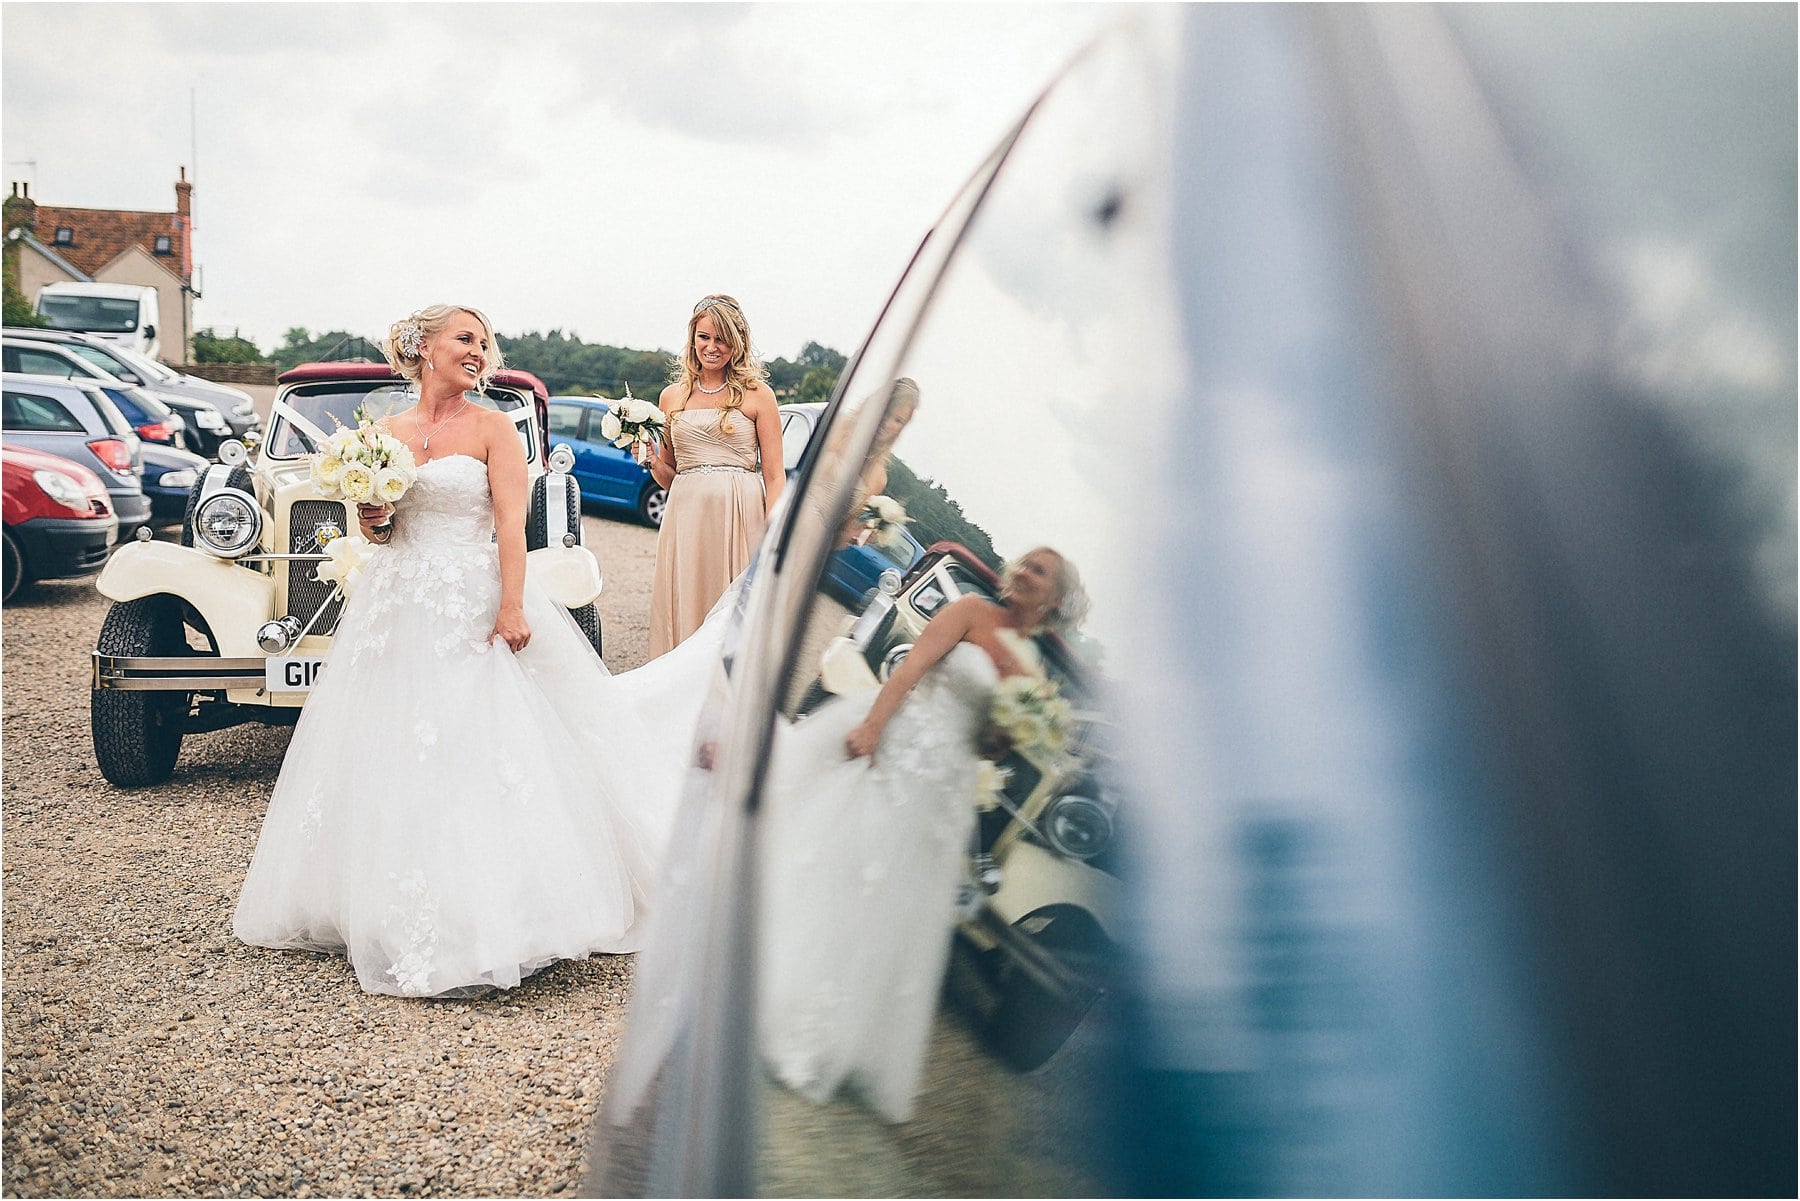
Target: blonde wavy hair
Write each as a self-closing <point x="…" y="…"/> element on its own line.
<point x="1071" y="607"/>
<point x="742" y="373"/>
<point x="405" y="340"/>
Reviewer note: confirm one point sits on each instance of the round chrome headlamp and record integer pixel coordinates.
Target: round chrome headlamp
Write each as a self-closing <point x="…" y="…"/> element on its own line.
<point x="232" y="452"/>
<point x="888" y="582"/>
<point x="276" y="636"/>
<point x="1077" y="826"/>
<point x="227" y="524"/>
<point x="561" y="458"/>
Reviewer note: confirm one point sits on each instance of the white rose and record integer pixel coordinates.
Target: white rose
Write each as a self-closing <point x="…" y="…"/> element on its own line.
<point x="390" y="485"/>
<point x="341" y="438"/>
<point x="358" y="483"/>
<point x="610" y="427"/>
<point x="327" y="472"/>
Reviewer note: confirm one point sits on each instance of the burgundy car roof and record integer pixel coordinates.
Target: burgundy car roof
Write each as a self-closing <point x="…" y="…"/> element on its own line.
<point x="311" y="372"/>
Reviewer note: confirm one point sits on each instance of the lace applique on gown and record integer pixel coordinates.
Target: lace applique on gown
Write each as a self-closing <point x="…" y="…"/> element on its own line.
<point x="861" y="864"/>
<point x="451" y="815"/>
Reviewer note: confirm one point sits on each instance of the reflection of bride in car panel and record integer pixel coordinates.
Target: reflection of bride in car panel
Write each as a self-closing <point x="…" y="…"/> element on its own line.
<point x="865" y="855"/>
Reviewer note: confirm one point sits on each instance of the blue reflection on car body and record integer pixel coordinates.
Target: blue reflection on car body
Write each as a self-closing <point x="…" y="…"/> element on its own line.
<point x="852" y="572"/>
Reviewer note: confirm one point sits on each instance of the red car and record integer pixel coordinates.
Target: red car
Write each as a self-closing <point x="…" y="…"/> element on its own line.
<point x="60" y="523"/>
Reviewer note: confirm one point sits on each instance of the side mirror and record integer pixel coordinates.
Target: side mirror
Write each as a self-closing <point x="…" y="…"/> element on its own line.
<point x="149" y="331"/>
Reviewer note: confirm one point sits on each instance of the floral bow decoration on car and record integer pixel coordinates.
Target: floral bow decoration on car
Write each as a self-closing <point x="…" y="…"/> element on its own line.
<point x="884" y="517"/>
<point x="345" y="558"/>
<point x="363" y="464"/>
<point x="630" y="420"/>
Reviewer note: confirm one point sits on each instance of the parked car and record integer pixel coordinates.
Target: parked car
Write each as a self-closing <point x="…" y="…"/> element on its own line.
<point x="133" y="367"/>
<point x="236" y="600"/>
<point x="797" y="424"/>
<point x="59" y="519"/>
<point x="153" y="420"/>
<point x="169" y="479"/>
<point x="853" y="573"/>
<point x="76" y="420"/>
<point x="608" y="476"/>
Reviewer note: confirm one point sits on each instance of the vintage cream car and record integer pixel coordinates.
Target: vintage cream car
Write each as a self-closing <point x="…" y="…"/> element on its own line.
<point x="231" y="626"/>
<point x="1035" y="943"/>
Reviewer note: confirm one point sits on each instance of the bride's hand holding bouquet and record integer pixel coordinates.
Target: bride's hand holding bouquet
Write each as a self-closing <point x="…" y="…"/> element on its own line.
<point x="369" y="467"/>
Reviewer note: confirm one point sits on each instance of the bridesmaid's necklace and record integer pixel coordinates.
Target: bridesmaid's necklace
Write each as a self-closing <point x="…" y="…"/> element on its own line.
<point x="426" y="444"/>
<point x="710" y="391"/>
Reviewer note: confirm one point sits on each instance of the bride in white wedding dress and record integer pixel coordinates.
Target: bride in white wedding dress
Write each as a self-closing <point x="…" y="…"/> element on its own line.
<point x="448" y="814"/>
<point x="866" y="831"/>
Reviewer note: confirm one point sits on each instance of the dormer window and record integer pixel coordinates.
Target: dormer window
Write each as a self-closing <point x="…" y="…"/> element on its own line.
<point x="65" y="236"/>
<point x="162" y="244"/>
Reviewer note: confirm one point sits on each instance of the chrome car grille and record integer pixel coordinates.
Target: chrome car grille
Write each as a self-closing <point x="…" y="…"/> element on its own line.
<point x="304" y="594"/>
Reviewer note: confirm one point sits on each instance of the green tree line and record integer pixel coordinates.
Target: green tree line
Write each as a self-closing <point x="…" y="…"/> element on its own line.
<point x="565" y="363"/>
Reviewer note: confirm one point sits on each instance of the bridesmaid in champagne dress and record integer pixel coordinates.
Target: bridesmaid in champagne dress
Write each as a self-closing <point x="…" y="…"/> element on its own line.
<point x="720" y="460"/>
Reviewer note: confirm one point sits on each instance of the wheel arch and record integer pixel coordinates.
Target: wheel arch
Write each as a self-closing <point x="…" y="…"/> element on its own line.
<point x="232" y="600"/>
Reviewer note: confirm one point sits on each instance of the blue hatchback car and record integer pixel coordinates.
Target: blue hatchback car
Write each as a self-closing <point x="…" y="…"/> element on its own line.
<point x="607" y="475"/>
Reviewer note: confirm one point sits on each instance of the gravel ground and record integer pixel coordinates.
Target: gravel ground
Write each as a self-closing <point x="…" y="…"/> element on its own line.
<point x="148" y="1053"/>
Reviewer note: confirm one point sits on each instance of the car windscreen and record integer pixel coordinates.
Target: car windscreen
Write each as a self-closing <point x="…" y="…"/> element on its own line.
<point x="105" y="360"/>
<point x="99" y="314"/>
<point x="330" y="404"/>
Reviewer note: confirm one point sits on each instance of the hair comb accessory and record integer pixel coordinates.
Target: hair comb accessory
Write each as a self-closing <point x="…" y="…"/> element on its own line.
<point x="411" y="342"/>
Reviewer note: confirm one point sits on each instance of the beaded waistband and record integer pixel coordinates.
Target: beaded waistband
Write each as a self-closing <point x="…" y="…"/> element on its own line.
<point x="699" y="467"/>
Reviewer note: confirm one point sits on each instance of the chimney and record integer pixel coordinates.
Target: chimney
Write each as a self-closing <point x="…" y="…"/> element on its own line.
<point x="21" y="209"/>
<point x="184" y="196"/>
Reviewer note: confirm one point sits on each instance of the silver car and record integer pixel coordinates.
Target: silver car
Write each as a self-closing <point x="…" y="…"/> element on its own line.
<point x="74" y="419"/>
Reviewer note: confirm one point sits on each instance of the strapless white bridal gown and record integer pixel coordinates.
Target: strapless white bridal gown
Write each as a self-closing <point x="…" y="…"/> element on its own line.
<point x="452" y="816"/>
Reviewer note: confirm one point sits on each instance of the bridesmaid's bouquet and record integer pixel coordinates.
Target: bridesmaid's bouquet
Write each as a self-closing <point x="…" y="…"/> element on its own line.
<point x="1030" y="715"/>
<point x="363" y="464"/>
<point x="884" y="517"/>
<point x="630" y="420"/>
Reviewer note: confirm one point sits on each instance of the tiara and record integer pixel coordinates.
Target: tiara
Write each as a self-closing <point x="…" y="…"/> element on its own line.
<point x="724" y="302"/>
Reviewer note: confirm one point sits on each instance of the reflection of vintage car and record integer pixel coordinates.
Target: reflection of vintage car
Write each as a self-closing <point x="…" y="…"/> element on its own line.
<point x="231" y="626"/>
<point x="1040" y="945"/>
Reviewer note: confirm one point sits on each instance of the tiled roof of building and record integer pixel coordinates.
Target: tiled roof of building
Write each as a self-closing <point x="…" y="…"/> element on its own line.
<point x="98" y="236"/>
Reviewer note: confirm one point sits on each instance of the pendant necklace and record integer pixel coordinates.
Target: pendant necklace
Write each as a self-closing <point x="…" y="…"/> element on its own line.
<point x="426" y="444"/>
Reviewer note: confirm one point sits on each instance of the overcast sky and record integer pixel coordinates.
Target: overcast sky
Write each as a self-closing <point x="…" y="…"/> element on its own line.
<point x="589" y="167"/>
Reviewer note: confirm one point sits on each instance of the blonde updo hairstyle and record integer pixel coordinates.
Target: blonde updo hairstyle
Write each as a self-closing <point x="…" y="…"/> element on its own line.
<point x="743" y="372"/>
<point x="1071" y="607"/>
<point x="404" y="351"/>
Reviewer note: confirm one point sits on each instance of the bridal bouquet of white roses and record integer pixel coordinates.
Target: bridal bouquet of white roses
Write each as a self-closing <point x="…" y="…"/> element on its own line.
<point x="632" y="420"/>
<point x="884" y="517"/>
<point x="1030" y="715"/>
<point x="363" y="464"/>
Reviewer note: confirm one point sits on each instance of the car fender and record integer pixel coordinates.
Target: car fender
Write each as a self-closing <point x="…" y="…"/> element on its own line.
<point x="570" y="574"/>
<point x="234" y="600"/>
<point x="843" y="670"/>
<point x="1032" y="877"/>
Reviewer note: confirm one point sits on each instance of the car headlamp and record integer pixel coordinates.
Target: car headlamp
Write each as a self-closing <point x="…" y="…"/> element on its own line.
<point x="1077" y="826"/>
<point x="228" y="524"/>
<point x="182" y="479"/>
<point x="562" y="458"/>
<point x="61" y="489"/>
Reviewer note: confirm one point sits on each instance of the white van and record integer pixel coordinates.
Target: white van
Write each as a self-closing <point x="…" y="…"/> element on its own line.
<point x="124" y="313"/>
